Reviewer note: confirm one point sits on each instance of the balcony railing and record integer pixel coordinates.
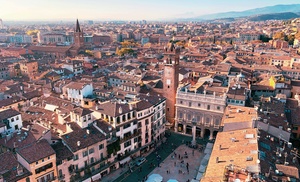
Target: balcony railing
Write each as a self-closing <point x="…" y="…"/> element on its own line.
<point x="122" y="140"/>
<point x="207" y="124"/>
<point x="216" y="126"/>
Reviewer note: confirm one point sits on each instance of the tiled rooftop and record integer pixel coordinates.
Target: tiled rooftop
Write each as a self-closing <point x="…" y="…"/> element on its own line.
<point x="234" y="114"/>
<point x="238" y="148"/>
<point x="41" y="149"/>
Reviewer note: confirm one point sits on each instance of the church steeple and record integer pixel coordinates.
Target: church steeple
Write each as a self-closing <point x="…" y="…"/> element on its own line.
<point x="77" y="26"/>
<point x="78" y="36"/>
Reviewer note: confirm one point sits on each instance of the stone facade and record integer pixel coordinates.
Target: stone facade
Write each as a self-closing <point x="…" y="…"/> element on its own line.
<point x="201" y="109"/>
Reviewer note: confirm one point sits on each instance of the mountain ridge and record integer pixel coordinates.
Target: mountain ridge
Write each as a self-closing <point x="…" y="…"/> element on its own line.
<point x="281" y="8"/>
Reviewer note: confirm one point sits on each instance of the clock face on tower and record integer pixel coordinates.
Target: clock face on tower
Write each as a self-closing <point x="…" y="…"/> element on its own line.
<point x="168" y="81"/>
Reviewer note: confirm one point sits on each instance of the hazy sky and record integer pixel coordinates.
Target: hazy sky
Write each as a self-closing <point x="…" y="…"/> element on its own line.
<point x="123" y="9"/>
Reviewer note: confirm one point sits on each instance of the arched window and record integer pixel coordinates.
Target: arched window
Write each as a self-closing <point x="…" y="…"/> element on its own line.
<point x="128" y="116"/>
<point x="180" y="115"/>
<point x="60" y="173"/>
<point x="189" y="117"/>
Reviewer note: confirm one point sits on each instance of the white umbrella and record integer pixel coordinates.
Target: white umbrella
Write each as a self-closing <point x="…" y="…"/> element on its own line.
<point x="155" y="178"/>
<point x="172" y="180"/>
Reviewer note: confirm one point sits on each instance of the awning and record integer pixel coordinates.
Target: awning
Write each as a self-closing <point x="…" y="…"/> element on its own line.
<point x="87" y="180"/>
<point x="96" y="177"/>
<point x="125" y="160"/>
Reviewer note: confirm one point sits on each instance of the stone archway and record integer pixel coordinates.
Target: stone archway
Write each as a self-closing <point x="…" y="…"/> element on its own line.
<point x="180" y="127"/>
<point x="188" y="130"/>
<point x="206" y="133"/>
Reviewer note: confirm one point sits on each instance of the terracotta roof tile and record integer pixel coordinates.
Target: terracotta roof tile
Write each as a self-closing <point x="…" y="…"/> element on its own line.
<point x="41" y="149"/>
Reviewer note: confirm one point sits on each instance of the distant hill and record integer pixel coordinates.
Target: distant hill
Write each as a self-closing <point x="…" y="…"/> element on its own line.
<point x="292" y="8"/>
<point x="274" y="16"/>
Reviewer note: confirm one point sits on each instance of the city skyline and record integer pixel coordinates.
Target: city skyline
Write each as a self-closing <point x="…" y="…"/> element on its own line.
<point x="118" y="10"/>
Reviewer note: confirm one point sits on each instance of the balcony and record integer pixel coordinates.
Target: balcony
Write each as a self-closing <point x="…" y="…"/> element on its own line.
<point x="201" y="98"/>
<point x="207" y="124"/>
<point x="44" y="168"/>
<point x="216" y="126"/>
<point x="138" y="133"/>
<point x="112" y="140"/>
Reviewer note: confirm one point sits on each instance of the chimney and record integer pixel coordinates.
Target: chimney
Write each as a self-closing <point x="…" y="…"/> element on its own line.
<point x="220" y="147"/>
<point x="78" y="143"/>
<point x="217" y="160"/>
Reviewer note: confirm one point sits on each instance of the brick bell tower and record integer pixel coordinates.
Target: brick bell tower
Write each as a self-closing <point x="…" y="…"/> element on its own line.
<point x="78" y="36"/>
<point x="170" y="79"/>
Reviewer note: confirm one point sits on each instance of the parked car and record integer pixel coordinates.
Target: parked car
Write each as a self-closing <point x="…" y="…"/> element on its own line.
<point x="140" y="161"/>
<point x="131" y="164"/>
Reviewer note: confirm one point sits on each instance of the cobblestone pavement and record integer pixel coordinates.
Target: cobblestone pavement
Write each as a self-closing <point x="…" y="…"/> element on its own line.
<point x="173" y="143"/>
<point x="183" y="169"/>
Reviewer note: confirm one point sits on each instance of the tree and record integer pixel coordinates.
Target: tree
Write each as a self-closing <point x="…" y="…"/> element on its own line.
<point x="290" y="39"/>
<point x="129" y="44"/>
<point x="297" y="35"/>
<point x="19" y="107"/>
<point x="32" y="32"/>
<point x="224" y="56"/>
<point x="264" y="38"/>
<point x="89" y="52"/>
<point x="279" y="35"/>
<point x="181" y="43"/>
<point x="124" y="51"/>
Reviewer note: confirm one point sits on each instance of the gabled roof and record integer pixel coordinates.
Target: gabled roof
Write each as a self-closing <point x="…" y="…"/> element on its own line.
<point x="81" y="138"/>
<point x="36" y="151"/>
<point x="113" y="108"/>
<point x="183" y="71"/>
<point x="291" y="171"/>
<point x="9" y="167"/>
<point x="8" y="114"/>
<point x="76" y="85"/>
<point x="32" y="94"/>
<point x="82" y="111"/>
<point x="62" y="152"/>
